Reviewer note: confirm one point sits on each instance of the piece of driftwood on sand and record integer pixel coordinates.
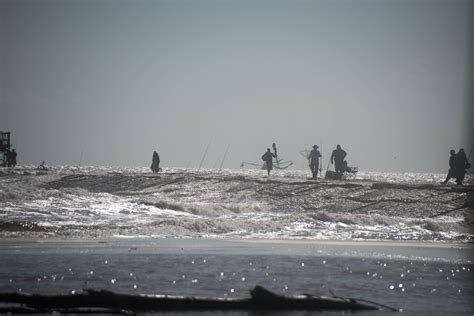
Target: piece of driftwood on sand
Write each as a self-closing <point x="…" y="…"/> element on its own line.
<point x="92" y="301"/>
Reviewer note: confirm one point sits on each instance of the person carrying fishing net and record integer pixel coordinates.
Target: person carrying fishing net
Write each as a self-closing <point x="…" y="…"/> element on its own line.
<point x="268" y="158"/>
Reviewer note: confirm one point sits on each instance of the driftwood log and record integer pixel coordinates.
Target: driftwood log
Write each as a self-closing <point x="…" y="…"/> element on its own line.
<point x="102" y="301"/>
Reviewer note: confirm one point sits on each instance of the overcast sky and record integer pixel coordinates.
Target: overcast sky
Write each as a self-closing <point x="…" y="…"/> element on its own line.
<point x="386" y="79"/>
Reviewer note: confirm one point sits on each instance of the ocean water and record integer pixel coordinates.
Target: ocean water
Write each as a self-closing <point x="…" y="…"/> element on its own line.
<point x="411" y="277"/>
<point x="399" y="239"/>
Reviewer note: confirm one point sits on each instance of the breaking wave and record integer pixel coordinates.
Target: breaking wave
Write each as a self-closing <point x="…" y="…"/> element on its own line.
<point x="96" y="202"/>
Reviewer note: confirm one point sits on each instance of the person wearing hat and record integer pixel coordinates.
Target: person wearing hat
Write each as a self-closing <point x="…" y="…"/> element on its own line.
<point x="313" y="158"/>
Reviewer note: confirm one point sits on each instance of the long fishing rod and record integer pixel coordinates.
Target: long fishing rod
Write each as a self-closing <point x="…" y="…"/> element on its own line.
<point x="80" y="159"/>
<point x="225" y="155"/>
<point x="468" y="164"/>
<point x="328" y="164"/>
<point x="276" y="155"/>
<point x="204" y="156"/>
<point x="321" y="158"/>
<point x="307" y="155"/>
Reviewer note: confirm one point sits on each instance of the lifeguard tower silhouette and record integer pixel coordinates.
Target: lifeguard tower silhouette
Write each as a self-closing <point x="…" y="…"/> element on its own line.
<point x="5" y="147"/>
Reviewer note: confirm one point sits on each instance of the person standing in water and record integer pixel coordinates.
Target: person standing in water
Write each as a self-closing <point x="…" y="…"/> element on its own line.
<point x="462" y="164"/>
<point x="313" y="158"/>
<point x="452" y="172"/>
<point x="11" y="158"/>
<point x="337" y="157"/>
<point x="268" y="158"/>
<point x="155" y="163"/>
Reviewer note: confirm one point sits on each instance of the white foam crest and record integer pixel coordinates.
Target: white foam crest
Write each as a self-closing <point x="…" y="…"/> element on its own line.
<point x="218" y="203"/>
<point x="89" y="209"/>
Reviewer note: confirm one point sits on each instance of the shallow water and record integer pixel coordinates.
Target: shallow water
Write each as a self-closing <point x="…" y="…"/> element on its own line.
<point x="415" y="278"/>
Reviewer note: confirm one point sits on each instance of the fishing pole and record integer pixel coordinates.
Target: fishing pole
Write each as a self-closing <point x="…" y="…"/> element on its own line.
<point x="80" y="159"/>
<point x="468" y="164"/>
<point x="225" y="155"/>
<point x="276" y="155"/>
<point x="321" y="159"/>
<point x="204" y="156"/>
<point x="328" y="164"/>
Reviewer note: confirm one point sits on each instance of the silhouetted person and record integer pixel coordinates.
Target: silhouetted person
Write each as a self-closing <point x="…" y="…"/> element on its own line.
<point x="453" y="164"/>
<point x="7" y="157"/>
<point x="313" y="158"/>
<point x="155" y="163"/>
<point x="268" y="158"/>
<point x="337" y="158"/>
<point x="462" y="164"/>
<point x="11" y="158"/>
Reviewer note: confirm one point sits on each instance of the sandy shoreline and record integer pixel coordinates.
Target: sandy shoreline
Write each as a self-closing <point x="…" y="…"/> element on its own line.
<point x="389" y="243"/>
<point x="416" y="250"/>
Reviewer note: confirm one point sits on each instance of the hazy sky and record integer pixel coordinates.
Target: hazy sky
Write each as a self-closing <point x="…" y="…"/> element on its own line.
<point x="386" y="79"/>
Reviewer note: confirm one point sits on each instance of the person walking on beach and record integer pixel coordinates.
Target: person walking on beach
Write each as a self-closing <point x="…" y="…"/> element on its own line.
<point x="268" y="158"/>
<point x="337" y="158"/>
<point x="155" y="163"/>
<point x="313" y="158"/>
<point x="453" y="165"/>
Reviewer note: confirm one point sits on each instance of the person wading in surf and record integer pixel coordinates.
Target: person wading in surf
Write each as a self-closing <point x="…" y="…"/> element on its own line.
<point x="462" y="164"/>
<point x="337" y="157"/>
<point x="452" y="172"/>
<point x="268" y="158"/>
<point x="155" y="163"/>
